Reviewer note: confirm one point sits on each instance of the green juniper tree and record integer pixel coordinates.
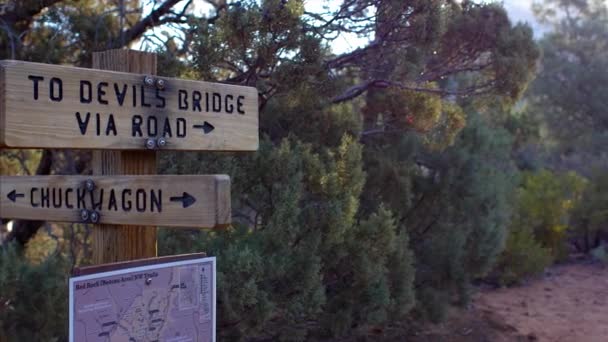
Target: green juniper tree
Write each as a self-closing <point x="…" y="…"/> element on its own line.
<point x="570" y="94"/>
<point x="394" y="96"/>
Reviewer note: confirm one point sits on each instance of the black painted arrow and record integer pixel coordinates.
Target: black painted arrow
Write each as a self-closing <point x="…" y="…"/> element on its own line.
<point x="206" y="127"/>
<point x="13" y="195"/>
<point x="186" y="199"/>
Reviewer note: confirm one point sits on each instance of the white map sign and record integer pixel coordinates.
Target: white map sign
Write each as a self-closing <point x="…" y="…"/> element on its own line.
<point x="170" y="302"/>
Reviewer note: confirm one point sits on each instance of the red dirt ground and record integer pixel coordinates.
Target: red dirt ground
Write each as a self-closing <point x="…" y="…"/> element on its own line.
<point x="568" y="304"/>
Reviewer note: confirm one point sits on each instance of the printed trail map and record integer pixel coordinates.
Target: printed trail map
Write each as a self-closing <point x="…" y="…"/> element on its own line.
<point x="169" y="302"/>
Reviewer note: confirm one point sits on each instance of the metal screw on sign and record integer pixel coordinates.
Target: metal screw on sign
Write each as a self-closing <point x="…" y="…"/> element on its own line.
<point x="161" y="142"/>
<point x="150" y="143"/>
<point x="160" y="84"/>
<point x="148" y="281"/>
<point x="84" y="215"/>
<point x="149" y="81"/>
<point x="94" y="217"/>
<point x="89" y="185"/>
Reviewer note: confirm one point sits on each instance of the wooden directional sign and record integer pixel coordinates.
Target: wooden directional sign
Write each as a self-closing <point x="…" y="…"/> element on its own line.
<point x="50" y="106"/>
<point x="173" y="201"/>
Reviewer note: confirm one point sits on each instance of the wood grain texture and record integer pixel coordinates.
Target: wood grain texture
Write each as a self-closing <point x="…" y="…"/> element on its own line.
<point x="129" y="242"/>
<point x="2" y="116"/>
<point x="82" y="271"/>
<point x="223" y="200"/>
<point x="172" y="201"/>
<point x="107" y="111"/>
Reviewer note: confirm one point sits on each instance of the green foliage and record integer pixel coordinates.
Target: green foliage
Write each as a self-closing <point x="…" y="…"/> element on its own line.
<point x="524" y="256"/>
<point x="439" y="121"/>
<point x="524" y="127"/>
<point x="512" y="48"/>
<point x="545" y="201"/>
<point x="435" y="201"/>
<point x="538" y="233"/>
<point x="433" y="304"/>
<point x="66" y="32"/>
<point x="569" y="93"/>
<point x="374" y="283"/>
<point x="516" y="57"/>
<point x="589" y="219"/>
<point x="33" y="298"/>
<point x="297" y="253"/>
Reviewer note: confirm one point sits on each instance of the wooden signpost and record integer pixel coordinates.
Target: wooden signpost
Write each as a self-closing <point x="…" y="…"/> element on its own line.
<point x="127" y="242"/>
<point x="125" y="113"/>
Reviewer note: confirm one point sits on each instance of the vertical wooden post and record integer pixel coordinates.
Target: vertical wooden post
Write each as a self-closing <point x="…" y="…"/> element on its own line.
<point x="120" y="243"/>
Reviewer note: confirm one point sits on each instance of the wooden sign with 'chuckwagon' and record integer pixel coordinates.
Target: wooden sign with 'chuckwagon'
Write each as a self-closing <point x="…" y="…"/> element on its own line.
<point x="50" y="106"/>
<point x="173" y="201"/>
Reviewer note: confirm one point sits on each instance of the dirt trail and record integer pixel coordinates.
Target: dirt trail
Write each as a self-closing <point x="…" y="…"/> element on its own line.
<point x="568" y="304"/>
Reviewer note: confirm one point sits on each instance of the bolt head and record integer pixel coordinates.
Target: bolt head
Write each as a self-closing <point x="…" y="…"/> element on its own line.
<point x="150" y="143"/>
<point x="148" y="281"/>
<point x="95" y="217"/>
<point x="149" y="81"/>
<point x="161" y="142"/>
<point x="160" y="83"/>
<point x="84" y="215"/>
<point x="89" y="185"/>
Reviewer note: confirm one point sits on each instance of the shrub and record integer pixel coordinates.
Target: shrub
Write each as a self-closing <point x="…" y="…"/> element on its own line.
<point x="523" y="257"/>
<point x="299" y="263"/>
<point x="589" y="220"/>
<point x="545" y="202"/>
<point x="33" y="298"/>
<point x="458" y="221"/>
<point x="538" y="233"/>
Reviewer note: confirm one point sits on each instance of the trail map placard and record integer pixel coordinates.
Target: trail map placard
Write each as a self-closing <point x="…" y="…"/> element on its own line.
<point x="172" y="201"/>
<point x="50" y="106"/>
<point x="172" y="302"/>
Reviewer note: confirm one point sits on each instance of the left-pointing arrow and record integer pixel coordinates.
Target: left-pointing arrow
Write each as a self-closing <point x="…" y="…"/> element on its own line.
<point x="13" y="195"/>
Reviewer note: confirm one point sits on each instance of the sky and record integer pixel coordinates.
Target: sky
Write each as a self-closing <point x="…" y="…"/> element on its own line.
<point x="518" y="10"/>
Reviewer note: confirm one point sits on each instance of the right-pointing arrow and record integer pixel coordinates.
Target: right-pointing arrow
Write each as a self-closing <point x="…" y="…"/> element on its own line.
<point x="206" y="127"/>
<point x="186" y="199"/>
<point x="13" y="195"/>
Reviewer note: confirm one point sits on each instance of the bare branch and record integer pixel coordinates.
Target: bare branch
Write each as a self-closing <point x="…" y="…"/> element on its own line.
<point x="346" y="59"/>
<point x="359" y="89"/>
<point x="152" y="20"/>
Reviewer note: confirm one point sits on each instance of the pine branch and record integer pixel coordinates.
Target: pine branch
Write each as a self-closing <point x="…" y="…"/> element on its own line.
<point x="13" y="11"/>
